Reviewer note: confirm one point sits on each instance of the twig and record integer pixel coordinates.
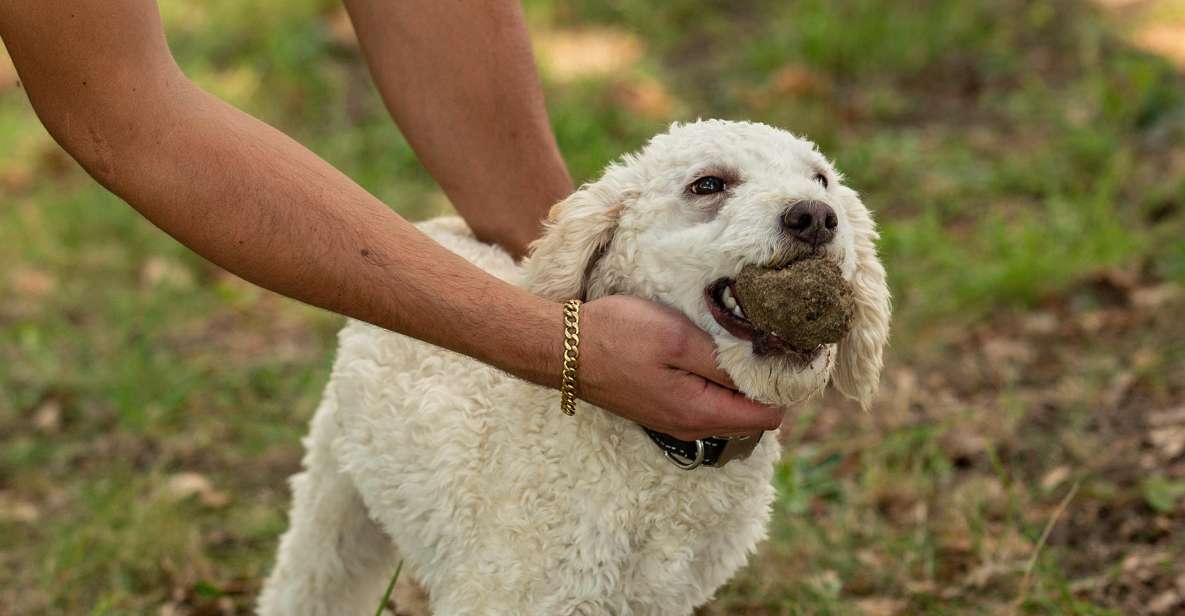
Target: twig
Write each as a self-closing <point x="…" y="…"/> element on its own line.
<point x="1057" y="513"/>
<point x="390" y="587"/>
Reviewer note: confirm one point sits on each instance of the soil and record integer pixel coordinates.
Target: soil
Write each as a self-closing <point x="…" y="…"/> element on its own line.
<point x="806" y="303"/>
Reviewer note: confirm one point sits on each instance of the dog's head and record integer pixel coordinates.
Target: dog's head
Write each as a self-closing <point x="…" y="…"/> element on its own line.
<point x="677" y="221"/>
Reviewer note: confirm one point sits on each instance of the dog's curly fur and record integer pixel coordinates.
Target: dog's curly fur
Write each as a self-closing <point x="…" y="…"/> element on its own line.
<point x="500" y="504"/>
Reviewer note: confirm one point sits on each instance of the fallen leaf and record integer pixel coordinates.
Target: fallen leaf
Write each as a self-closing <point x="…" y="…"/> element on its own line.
<point x="1055" y="477"/>
<point x="1005" y="351"/>
<point x="186" y="485"/>
<point x="920" y="587"/>
<point x="826" y="581"/>
<point x="791" y="81"/>
<point x="158" y="271"/>
<point x="1167" y="417"/>
<point x="1151" y="298"/>
<point x="1165" y="601"/>
<point x="1143" y="566"/>
<point x="1117" y="390"/>
<point x="572" y="55"/>
<point x="647" y="98"/>
<point x="1169" y="441"/>
<point x="1040" y="323"/>
<point x="964" y="442"/>
<point x="1165" y="40"/>
<point x="798" y="80"/>
<point x="881" y="606"/>
<point x="1093" y="321"/>
<point x="16" y="178"/>
<point x="1116" y="4"/>
<point x="32" y="283"/>
<point x="48" y="417"/>
<point x="15" y="510"/>
<point x="869" y="558"/>
<point x="986" y="572"/>
<point x="341" y="29"/>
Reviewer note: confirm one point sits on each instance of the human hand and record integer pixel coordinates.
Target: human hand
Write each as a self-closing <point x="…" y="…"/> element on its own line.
<point x="650" y="364"/>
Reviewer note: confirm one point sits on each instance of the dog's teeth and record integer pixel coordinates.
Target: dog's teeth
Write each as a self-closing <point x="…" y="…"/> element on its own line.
<point x="729" y="301"/>
<point x="737" y="310"/>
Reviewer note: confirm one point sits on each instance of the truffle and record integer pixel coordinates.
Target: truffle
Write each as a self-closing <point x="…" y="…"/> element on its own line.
<point x="806" y="303"/>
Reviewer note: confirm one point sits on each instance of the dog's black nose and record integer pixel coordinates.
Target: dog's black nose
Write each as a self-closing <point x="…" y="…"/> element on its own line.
<point x="811" y="221"/>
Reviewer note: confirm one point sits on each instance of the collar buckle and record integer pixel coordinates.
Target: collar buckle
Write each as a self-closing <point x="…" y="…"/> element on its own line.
<point x="684" y="464"/>
<point x="715" y="451"/>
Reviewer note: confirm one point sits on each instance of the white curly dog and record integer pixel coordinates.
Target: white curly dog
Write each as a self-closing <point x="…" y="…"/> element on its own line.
<point x="500" y="504"/>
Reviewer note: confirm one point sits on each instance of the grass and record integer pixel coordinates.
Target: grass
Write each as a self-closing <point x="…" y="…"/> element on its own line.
<point x="390" y="586"/>
<point x="1023" y="158"/>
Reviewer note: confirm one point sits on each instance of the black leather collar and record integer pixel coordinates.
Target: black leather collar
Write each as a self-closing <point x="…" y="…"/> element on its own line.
<point x="716" y="451"/>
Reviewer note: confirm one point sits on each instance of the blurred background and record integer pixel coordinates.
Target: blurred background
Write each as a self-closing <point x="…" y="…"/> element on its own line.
<point x="1026" y="159"/>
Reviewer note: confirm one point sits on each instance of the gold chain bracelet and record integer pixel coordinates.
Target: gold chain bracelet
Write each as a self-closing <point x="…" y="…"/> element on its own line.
<point x="571" y="356"/>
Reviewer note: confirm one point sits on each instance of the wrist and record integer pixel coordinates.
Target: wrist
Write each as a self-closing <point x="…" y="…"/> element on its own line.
<point x="532" y="348"/>
<point x="512" y="234"/>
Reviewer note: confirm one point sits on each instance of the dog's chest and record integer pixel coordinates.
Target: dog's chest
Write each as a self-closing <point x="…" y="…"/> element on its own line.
<point x="472" y="468"/>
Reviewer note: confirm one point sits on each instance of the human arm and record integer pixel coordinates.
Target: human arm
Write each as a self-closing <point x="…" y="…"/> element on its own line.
<point x="243" y="195"/>
<point x="460" y="80"/>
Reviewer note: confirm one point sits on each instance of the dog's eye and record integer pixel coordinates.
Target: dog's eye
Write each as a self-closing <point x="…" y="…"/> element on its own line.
<point x="707" y="185"/>
<point x="822" y="179"/>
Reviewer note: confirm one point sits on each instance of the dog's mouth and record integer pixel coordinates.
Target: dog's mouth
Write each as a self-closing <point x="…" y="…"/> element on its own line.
<point x="726" y="308"/>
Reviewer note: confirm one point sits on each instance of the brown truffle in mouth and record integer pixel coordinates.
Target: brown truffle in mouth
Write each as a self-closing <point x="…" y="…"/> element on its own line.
<point x="794" y="310"/>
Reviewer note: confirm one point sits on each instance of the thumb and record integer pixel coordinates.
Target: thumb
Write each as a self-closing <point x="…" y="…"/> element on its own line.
<point x="697" y="355"/>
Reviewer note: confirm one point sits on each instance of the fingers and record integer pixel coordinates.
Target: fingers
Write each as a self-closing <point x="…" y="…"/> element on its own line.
<point x="696" y="353"/>
<point x="732" y="411"/>
<point x="717" y="411"/>
<point x="660" y="370"/>
<point x="718" y="407"/>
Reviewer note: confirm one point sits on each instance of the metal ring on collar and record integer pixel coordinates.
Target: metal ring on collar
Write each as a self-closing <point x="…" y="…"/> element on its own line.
<point x="678" y="460"/>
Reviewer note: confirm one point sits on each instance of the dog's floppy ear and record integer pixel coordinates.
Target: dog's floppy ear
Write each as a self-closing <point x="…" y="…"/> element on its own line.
<point x="577" y="231"/>
<point x="858" y="367"/>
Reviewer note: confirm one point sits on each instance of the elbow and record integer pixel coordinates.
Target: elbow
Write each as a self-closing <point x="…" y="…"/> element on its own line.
<point x="103" y="128"/>
<point x="85" y="138"/>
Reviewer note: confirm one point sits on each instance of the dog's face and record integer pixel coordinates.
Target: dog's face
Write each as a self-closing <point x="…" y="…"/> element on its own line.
<point x="676" y="222"/>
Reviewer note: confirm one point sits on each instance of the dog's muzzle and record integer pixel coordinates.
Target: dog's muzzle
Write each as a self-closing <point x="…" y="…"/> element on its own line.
<point x="713" y="451"/>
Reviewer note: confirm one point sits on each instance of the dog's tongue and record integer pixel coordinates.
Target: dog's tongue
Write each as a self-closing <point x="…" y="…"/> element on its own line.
<point x="806" y="303"/>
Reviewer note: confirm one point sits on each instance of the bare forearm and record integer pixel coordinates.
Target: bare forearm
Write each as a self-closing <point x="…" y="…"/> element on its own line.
<point x="460" y="79"/>
<point x="253" y="201"/>
<point x="100" y="76"/>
